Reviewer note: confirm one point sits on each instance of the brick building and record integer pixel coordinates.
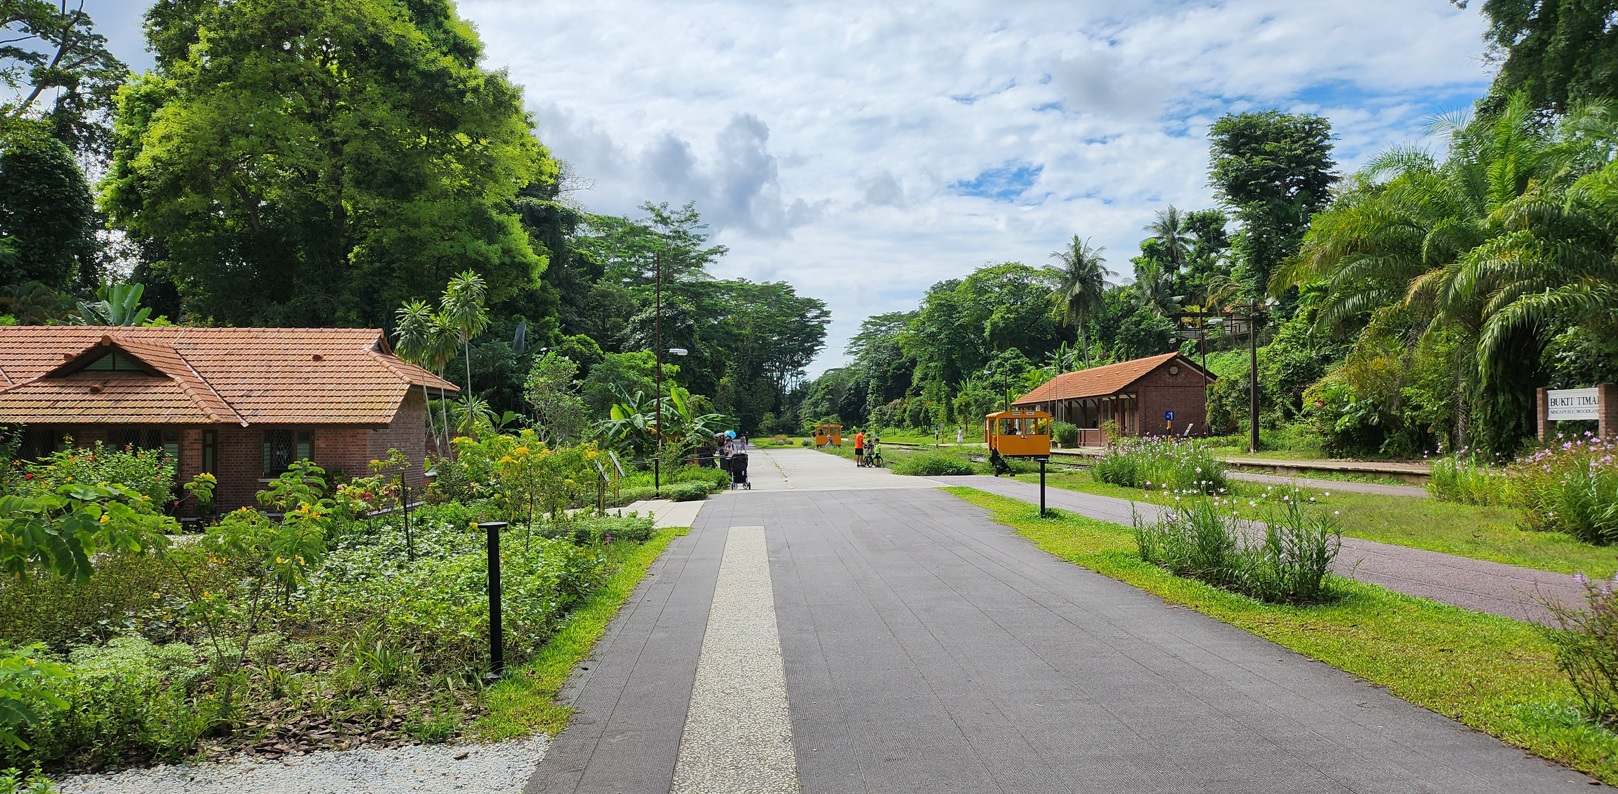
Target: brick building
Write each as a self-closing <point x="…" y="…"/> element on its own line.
<point x="241" y="403"/>
<point x="1135" y="395"/>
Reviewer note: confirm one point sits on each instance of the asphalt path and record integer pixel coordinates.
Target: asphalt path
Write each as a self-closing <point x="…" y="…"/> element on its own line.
<point x="1479" y="585"/>
<point x="923" y="647"/>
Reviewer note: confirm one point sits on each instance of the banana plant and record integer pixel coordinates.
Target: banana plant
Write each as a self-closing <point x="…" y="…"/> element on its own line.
<point x="119" y="304"/>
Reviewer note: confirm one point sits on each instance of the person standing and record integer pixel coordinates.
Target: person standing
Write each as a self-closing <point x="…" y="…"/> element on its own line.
<point x="859" y="448"/>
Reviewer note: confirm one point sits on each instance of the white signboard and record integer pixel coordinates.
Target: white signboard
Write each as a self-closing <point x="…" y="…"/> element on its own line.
<point x="1565" y="404"/>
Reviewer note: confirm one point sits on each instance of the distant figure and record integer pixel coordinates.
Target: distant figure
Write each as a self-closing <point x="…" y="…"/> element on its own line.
<point x="859" y="448"/>
<point x="959" y="437"/>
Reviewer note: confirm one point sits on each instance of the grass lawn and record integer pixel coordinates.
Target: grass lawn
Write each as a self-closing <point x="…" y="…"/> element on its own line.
<point x="525" y="700"/>
<point x="1484" y="533"/>
<point x="1491" y="673"/>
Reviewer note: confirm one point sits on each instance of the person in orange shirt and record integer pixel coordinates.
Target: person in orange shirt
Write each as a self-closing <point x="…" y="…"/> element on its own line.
<point x="859" y="448"/>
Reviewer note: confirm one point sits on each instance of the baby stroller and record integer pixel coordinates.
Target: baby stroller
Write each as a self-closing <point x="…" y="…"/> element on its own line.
<point x="736" y="464"/>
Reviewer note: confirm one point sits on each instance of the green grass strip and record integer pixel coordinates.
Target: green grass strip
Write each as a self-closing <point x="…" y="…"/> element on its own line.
<point x="525" y="700"/>
<point x="1479" y="532"/>
<point x="1490" y="673"/>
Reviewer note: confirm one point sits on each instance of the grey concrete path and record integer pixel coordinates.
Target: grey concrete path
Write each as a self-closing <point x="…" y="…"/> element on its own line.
<point x="1381" y="489"/>
<point x="1479" y="585"/>
<point x="928" y="649"/>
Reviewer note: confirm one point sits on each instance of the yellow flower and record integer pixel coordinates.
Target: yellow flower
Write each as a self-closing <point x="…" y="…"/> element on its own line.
<point x="278" y="560"/>
<point x="521" y="450"/>
<point x="104" y="518"/>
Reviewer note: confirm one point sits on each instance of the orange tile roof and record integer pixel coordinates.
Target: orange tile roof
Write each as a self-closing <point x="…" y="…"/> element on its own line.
<point x="1099" y="381"/>
<point x="206" y="376"/>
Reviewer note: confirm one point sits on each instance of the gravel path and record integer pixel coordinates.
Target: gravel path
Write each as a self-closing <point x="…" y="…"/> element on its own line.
<point x="738" y="736"/>
<point x="424" y="769"/>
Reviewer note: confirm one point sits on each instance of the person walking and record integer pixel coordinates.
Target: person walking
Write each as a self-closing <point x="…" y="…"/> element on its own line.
<point x="859" y="448"/>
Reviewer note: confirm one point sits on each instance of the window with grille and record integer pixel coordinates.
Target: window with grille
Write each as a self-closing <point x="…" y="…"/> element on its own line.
<point x="283" y="446"/>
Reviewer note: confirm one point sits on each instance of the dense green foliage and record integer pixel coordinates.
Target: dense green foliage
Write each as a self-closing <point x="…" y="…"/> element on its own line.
<point x="46" y="214"/>
<point x="356" y="164"/>
<point x="1558" y="53"/>
<point x="321" y="626"/>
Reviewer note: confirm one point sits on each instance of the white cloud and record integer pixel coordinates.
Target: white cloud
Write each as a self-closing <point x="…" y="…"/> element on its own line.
<point x="827" y="142"/>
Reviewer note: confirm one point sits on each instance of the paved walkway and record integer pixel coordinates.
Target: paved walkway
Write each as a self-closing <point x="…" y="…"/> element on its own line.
<point x="1479" y="585"/>
<point x="926" y="648"/>
<point x="1381" y="489"/>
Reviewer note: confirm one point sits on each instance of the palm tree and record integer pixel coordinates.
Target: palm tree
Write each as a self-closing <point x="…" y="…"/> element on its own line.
<point x="463" y="311"/>
<point x="1081" y="286"/>
<point x="1431" y="246"/>
<point x="1169" y="230"/>
<point x="421" y="341"/>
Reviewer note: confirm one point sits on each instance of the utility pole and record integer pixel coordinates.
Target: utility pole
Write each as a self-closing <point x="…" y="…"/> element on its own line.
<point x="657" y="337"/>
<point x="1252" y="375"/>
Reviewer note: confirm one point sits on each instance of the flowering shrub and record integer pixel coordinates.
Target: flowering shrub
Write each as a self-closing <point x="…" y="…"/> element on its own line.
<point x="1466" y="478"/>
<point x="144" y="471"/>
<point x="1586" y="643"/>
<point x="1569" y="487"/>
<point x="1171" y="463"/>
<point x="521" y="474"/>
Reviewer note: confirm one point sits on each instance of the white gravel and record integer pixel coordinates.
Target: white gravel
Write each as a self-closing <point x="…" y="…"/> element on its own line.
<point x="500" y="768"/>
<point x="738" y="735"/>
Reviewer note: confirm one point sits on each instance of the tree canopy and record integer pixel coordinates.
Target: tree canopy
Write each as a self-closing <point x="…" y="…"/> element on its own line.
<point x="356" y="162"/>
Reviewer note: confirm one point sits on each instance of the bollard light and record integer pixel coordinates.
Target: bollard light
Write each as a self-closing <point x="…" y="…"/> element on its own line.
<point x="497" y="651"/>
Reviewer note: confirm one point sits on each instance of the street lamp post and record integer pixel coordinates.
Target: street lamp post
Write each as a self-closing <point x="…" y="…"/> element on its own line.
<point x="657" y="351"/>
<point x="657" y="340"/>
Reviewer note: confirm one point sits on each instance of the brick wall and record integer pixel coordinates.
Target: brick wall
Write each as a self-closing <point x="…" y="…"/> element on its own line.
<point x="1185" y="394"/>
<point x="348" y="449"/>
<point x="408" y="434"/>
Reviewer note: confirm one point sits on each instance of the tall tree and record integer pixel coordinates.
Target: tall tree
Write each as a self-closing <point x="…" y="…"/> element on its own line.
<point x="1274" y="170"/>
<point x="1081" y="286"/>
<point x="1171" y="231"/>
<point x="56" y="70"/>
<point x="464" y="312"/>
<point x="313" y="163"/>
<point x="46" y="214"/>
<point x="1557" y="52"/>
<point x="1426" y="246"/>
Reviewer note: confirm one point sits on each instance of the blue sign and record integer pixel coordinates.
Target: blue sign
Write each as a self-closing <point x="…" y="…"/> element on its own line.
<point x="1168" y="416"/>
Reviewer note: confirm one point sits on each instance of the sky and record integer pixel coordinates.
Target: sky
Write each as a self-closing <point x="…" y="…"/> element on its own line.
<point x="865" y="151"/>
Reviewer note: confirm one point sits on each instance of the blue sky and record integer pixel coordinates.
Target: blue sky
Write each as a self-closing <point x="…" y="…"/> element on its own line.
<point x="865" y="151"/>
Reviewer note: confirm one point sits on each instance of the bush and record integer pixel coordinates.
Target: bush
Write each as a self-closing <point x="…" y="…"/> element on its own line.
<point x="1571" y="488"/>
<point x="129" y="701"/>
<point x="688" y="491"/>
<point x="1289" y="564"/>
<point x="436" y="605"/>
<point x="807" y="442"/>
<point x="1466" y="479"/>
<point x="1586" y="643"/>
<point x="1162" y="463"/>
<point x="934" y="464"/>
<point x="147" y="472"/>
<point x="715" y="479"/>
<point x="631" y="494"/>
<point x="1065" y="433"/>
